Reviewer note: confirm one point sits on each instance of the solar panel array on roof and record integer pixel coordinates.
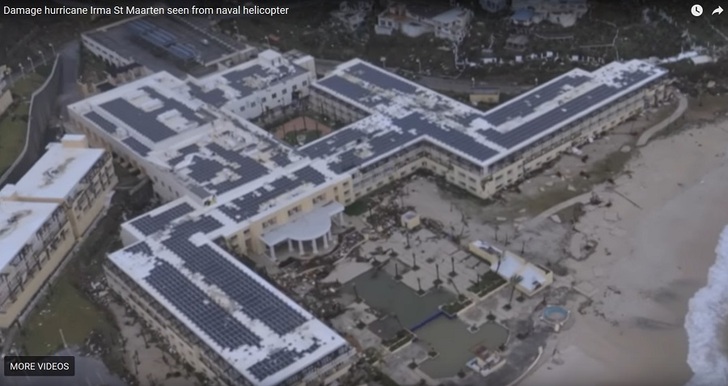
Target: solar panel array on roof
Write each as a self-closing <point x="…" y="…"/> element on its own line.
<point x="203" y="169"/>
<point x="450" y="137"/>
<point x="281" y="159"/>
<point x="278" y="361"/>
<point x="246" y="169"/>
<point x="137" y="146"/>
<point x="380" y="78"/>
<point x="256" y="301"/>
<point x="214" y="97"/>
<point x="249" y="204"/>
<point x="145" y="123"/>
<point x="142" y="248"/>
<point x="563" y="112"/>
<point x="332" y="143"/>
<point x="348" y="89"/>
<point x="309" y="174"/>
<point x="199" y="308"/>
<point x="527" y="104"/>
<point x="101" y="122"/>
<point x="149" y="224"/>
<point x="173" y="104"/>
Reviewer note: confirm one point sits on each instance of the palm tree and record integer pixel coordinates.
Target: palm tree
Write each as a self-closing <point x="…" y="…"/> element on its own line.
<point x="501" y="255"/>
<point x="513" y="282"/>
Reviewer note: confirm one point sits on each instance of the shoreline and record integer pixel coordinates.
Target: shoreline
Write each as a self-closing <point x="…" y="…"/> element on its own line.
<point x="705" y="324"/>
<point x="656" y="244"/>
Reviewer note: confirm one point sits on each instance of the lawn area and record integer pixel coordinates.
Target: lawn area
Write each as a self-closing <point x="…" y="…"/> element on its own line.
<point x="14" y="122"/>
<point x="69" y="308"/>
<point x="489" y="282"/>
<point x="65" y="309"/>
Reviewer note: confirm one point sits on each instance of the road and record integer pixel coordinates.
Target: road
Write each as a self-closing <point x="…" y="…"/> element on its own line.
<point x="457" y="86"/>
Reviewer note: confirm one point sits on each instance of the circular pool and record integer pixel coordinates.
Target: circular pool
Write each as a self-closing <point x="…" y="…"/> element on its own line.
<point x="555" y="314"/>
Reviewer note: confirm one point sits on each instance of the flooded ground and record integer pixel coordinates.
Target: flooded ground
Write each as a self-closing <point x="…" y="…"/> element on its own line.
<point x="455" y="344"/>
<point x="89" y="372"/>
<point x="381" y="292"/>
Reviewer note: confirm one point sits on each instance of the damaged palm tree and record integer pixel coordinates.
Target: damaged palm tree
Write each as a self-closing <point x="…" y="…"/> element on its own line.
<point x="514" y="281"/>
<point x="437" y="281"/>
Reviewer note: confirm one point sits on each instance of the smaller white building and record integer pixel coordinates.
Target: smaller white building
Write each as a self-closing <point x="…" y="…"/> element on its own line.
<point x="452" y="24"/>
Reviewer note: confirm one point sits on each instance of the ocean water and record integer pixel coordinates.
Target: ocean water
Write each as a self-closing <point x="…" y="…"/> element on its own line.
<point x="707" y="324"/>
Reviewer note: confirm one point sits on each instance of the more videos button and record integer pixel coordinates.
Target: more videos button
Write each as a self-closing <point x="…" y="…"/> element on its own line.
<point x="44" y="366"/>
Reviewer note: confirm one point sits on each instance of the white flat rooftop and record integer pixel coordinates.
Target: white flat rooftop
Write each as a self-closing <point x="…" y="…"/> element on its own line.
<point x="19" y="222"/>
<point x="57" y="173"/>
<point x="251" y="325"/>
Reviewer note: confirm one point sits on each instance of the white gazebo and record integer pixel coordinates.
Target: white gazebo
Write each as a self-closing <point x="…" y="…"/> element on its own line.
<point x="307" y="229"/>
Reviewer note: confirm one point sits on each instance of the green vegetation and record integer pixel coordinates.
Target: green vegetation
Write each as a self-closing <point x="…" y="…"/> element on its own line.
<point x="311" y="135"/>
<point x="452" y="308"/>
<point x="14" y="122"/>
<point x="67" y="311"/>
<point x="403" y="337"/>
<point x="69" y="308"/>
<point x="489" y="282"/>
<point x="357" y="208"/>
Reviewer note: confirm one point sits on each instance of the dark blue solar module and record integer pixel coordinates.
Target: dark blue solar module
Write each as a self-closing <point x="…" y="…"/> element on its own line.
<point x="525" y="105"/>
<point x="413" y="127"/>
<point x="332" y="143"/>
<point x="246" y="168"/>
<point x="184" y="152"/>
<point x="256" y="301"/>
<point x="278" y="361"/>
<point x="281" y="159"/>
<point x="561" y="113"/>
<point x="450" y="137"/>
<point x="149" y="224"/>
<point x="141" y="247"/>
<point x="199" y="308"/>
<point x="214" y="97"/>
<point x="143" y="122"/>
<point x="380" y="78"/>
<point x="101" y="122"/>
<point x="146" y="123"/>
<point x="309" y="174"/>
<point x="247" y="206"/>
<point x="173" y="104"/>
<point x="137" y="146"/>
<point x="203" y="169"/>
<point x="348" y="89"/>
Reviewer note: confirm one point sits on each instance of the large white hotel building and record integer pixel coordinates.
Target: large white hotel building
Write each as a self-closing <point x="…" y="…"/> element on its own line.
<point x="232" y="187"/>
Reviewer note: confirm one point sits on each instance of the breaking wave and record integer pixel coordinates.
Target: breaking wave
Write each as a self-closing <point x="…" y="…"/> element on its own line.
<point x="707" y="324"/>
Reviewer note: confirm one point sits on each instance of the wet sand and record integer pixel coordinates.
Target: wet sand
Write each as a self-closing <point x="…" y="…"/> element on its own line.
<point x="656" y="244"/>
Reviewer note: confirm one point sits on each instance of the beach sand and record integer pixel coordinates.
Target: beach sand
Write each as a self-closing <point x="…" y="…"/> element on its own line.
<point x="656" y="244"/>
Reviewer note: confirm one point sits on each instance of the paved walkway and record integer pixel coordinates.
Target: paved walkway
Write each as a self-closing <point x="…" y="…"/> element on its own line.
<point x="649" y="133"/>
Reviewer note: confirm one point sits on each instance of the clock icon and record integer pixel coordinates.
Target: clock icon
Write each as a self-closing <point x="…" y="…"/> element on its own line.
<point x="696" y="10"/>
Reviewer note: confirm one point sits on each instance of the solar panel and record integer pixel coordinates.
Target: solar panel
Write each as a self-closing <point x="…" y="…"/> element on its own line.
<point x="101" y="122"/>
<point x="149" y="224"/>
<point x="343" y="87"/>
<point x="145" y="123"/>
<point x="142" y="248"/>
<point x="551" y="118"/>
<point x="248" y="205"/>
<point x="199" y="308"/>
<point x="527" y="104"/>
<point x="137" y="146"/>
<point x="278" y="361"/>
<point x="256" y="301"/>
<point x="381" y="79"/>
